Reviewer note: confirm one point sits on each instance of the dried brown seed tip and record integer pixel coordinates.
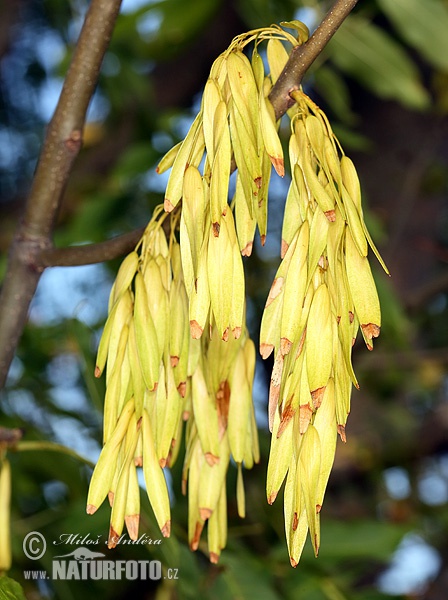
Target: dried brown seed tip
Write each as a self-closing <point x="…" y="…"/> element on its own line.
<point x="276" y="288"/>
<point x="98" y="371"/>
<point x="214" y="558"/>
<point x="317" y="396"/>
<point x="285" y="346"/>
<point x="293" y="562"/>
<point x="263" y="239"/>
<point x="247" y="250"/>
<point x="205" y="513"/>
<point x="295" y="522"/>
<point x="138" y="461"/>
<point x="113" y="538"/>
<point x="279" y="165"/>
<point x="236" y="332"/>
<point x="132" y="523"/>
<point x="162" y="462"/>
<point x="166" y="529"/>
<point x="182" y="388"/>
<point x="174" y="361"/>
<point x="284" y="249"/>
<point x="110" y="497"/>
<point x="266" y="350"/>
<point x="91" y="509"/>
<point x="167" y="205"/>
<point x="195" y="330"/>
<point x="211" y="459"/>
<point x="371" y="330"/>
<point x="197" y="536"/>
<point x="305" y="414"/>
<point x="288" y="414"/>
<point x="272" y="497"/>
<point x="318" y="508"/>
<point x="331" y="215"/>
<point x="216" y="228"/>
<point x="341" y="431"/>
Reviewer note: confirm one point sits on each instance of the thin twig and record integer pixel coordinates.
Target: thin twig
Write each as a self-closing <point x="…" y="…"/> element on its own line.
<point x="302" y="57"/>
<point x="89" y="254"/>
<point x="61" y="146"/>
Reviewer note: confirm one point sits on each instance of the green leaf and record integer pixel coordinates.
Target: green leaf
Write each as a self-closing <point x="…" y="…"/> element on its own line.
<point x="334" y="89"/>
<point x="164" y="27"/>
<point x="10" y="589"/>
<point x="361" y="538"/>
<point x="367" y="53"/>
<point x="242" y="576"/>
<point x="423" y="25"/>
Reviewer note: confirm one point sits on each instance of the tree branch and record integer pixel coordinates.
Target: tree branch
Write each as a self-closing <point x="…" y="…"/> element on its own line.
<point x="89" y="254"/>
<point x="62" y="143"/>
<point x="302" y="57"/>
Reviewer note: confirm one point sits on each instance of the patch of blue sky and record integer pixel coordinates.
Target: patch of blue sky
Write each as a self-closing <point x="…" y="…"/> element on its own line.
<point x="148" y="24"/>
<point x="396" y="480"/>
<point x="78" y="292"/>
<point x="130" y="6"/>
<point x="308" y="15"/>
<point x="22" y="403"/>
<point x="11" y="146"/>
<point x="414" y="565"/>
<point x="433" y="483"/>
<point x="70" y="432"/>
<point x="49" y="49"/>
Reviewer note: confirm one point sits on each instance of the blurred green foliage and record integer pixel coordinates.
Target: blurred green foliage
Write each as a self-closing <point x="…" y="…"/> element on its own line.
<point x="383" y="77"/>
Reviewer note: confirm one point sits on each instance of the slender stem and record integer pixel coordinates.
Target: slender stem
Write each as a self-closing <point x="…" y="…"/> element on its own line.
<point x="302" y="57"/>
<point x="90" y="253"/>
<point x="61" y="146"/>
<point x="42" y="445"/>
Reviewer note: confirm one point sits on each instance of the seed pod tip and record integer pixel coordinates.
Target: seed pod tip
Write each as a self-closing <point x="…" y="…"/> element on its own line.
<point x="166" y="529"/>
<point x="91" y="509"/>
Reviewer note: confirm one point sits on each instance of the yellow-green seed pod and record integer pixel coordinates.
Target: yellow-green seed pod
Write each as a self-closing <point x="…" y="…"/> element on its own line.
<point x="146" y="335"/>
<point x="206" y="417"/>
<point x="363" y="291"/>
<point x="277" y="58"/>
<point x="211" y="480"/>
<point x="310" y="466"/>
<point x="154" y="479"/>
<point x="319" y="342"/>
<point x="105" y="468"/>
<point x="174" y="187"/>
<point x="5" y="514"/>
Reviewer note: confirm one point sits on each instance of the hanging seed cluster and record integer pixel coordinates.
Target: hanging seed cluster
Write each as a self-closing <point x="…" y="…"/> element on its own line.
<point x="175" y="342"/>
<point x="159" y="376"/>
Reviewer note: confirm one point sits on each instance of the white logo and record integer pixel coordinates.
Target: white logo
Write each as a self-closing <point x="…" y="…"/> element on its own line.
<point x="82" y="554"/>
<point x="34" y="545"/>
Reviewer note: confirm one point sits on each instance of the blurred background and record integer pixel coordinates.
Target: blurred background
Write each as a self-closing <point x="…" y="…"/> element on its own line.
<point x="383" y="81"/>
